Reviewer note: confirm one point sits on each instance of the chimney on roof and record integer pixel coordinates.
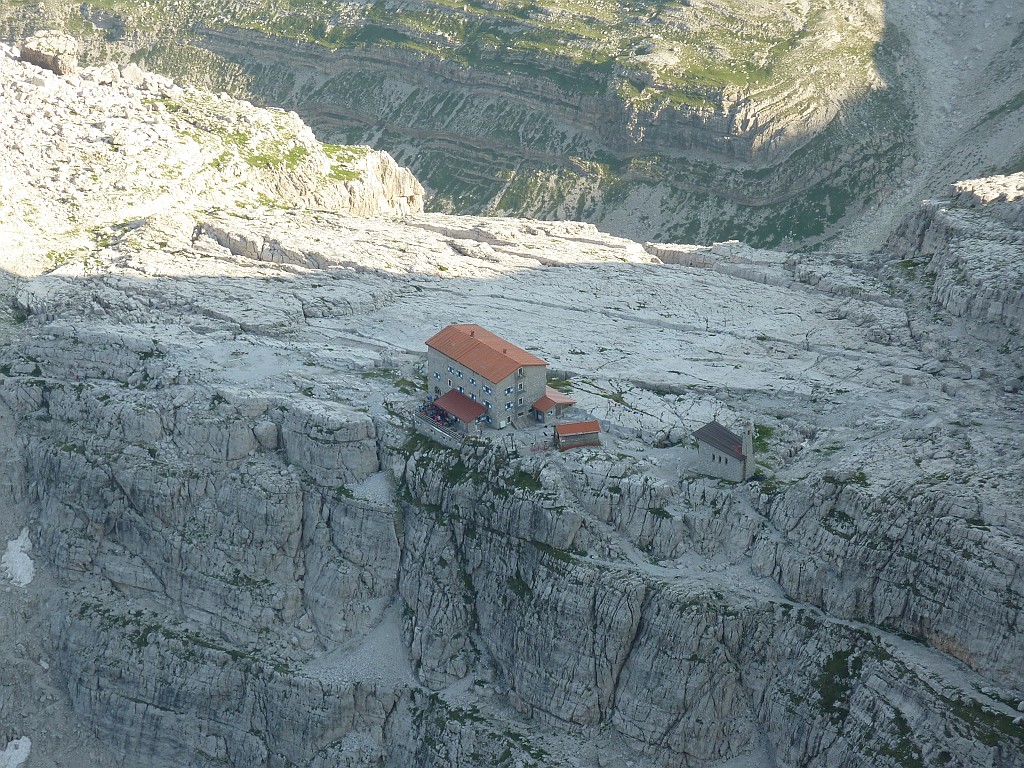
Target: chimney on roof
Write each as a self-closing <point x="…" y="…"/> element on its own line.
<point x="472" y="333"/>
<point x="504" y="351"/>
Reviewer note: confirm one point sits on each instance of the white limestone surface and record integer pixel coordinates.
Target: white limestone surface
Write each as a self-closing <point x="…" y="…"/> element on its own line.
<point x="16" y="562"/>
<point x="16" y="753"/>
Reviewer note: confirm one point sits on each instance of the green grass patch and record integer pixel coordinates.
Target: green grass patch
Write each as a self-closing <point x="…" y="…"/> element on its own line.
<point x="519" y="586"/>
<point x="558" y="554"/>
<point x="772" y="486"/>
<point x="562" y="385"/>
<point x="400" y="382"/>
<point x="526" y="480"/>
<point x="835" y="683"/>
<point x="860" y="478"/>
<point x="762" y="434"/>
<point x="990" y="728"/>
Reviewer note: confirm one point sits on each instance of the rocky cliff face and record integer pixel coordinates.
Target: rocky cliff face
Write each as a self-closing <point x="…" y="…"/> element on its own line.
<point x="970" y="248"/>
<point x="550" y="112"/>
<point x="144" y="145"/>
<point x="691" y="122"/>
<point x="538" y="138"/>
<point x="683" y="672"/>
<point x="246" y="556"/>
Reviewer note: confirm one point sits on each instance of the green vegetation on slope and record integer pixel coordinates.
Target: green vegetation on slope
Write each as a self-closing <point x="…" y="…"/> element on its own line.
<point x="670" y="52"/>
<point x="563" y="108"/>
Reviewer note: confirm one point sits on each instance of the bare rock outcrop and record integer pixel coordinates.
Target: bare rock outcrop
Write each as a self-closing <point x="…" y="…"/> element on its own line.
<point x="963" y="595"/>
<point x="674" y="666"/>
<point x="53" y="50"/>
<point x="144" y="146"/>
<point x="991" y="189"/>
<point x="971" y="244"/>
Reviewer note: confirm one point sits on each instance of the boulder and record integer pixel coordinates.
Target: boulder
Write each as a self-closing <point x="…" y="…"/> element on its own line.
<point x="52" y="50"/>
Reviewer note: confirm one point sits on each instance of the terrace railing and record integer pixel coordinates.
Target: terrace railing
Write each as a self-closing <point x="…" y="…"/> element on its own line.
<point x="446" y="436"/>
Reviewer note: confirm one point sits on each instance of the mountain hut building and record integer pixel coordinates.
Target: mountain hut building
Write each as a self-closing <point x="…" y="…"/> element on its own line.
<point x="722" y="453"/>
<point x="503" y="381"/>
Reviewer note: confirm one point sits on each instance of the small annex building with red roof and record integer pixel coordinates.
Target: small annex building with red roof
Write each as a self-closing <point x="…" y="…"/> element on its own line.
<point x="482" y="368"/>
<point x="552" y="404"/>
<point x="577" y="434"/>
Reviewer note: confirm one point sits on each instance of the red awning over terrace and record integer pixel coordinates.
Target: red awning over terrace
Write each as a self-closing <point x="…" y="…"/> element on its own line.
<point x="460" y="406"/>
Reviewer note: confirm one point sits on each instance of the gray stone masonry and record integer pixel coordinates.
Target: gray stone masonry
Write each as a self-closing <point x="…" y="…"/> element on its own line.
<point x="509" y="398"/>
<point x="718" y="463"/>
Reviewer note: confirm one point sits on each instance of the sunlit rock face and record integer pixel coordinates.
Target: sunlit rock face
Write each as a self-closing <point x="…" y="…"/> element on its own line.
<point x="687" y="122"/>
<point x="243" y="554"/>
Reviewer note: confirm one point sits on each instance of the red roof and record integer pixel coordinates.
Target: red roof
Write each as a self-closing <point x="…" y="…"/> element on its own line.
<point x="460" y="406"/>
<point x="552" y="397"/>
<point x="578" y="428"/>
<point x="481" y="351"/>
